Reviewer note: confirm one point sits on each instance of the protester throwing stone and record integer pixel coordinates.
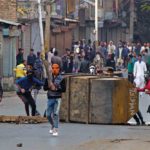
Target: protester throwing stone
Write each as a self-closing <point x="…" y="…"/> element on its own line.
<point x="54" y="94"/>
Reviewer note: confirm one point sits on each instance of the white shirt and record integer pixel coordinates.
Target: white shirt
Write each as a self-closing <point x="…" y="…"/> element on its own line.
<point x="111" y="49"/>
<point x="139" y="69"/>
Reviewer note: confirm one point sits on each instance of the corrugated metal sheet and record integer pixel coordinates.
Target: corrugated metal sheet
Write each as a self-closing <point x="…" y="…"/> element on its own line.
<point x="9" y="56"/>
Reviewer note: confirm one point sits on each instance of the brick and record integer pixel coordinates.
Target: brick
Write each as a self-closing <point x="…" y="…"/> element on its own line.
<point x="8" y="10"/>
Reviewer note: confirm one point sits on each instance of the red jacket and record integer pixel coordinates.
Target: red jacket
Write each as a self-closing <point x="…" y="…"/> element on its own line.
<point x="146" y="88"/>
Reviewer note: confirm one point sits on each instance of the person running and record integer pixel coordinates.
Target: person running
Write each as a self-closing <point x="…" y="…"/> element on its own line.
<point x="54" y="94"/>
<point x="24" y="86"/>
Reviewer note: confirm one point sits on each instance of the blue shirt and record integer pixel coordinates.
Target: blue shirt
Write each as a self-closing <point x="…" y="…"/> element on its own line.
<point x="27" y="83"/>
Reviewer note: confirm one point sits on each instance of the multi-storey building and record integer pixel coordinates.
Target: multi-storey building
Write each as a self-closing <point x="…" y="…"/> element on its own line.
<point x="113" y="22"/>
<point x="74" y="20"/>
<point x="61" y="26"/>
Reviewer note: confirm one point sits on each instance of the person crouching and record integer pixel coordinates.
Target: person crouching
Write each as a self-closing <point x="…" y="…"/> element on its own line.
<point x="24" y="86"/>
<point x="54" y="94"/>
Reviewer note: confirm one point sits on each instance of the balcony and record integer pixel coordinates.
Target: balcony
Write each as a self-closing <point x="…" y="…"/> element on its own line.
<point x="28" y="10"/>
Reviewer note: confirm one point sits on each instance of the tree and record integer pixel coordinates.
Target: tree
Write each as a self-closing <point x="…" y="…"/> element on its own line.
<point x="142" y="29"/>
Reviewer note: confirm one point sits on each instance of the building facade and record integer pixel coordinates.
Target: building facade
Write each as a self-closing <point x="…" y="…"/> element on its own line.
<point x="61" y="27"/>
<point x="9" y="33"/>
<point x="110" y="20"/>
<point x="8" y="10"/>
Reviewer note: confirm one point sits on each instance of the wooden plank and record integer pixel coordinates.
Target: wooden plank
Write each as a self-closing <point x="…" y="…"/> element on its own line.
<point x="22" y="119"/>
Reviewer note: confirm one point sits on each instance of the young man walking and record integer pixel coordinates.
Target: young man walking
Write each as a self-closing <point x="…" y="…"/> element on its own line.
<point x="54" y="94"/>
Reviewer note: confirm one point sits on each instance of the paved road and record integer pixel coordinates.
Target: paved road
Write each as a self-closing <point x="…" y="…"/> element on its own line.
<point x="72" y="136"/>
<point x="12" y="105"/>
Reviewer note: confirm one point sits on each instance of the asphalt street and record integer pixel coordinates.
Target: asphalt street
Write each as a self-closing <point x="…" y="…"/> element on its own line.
<point x="71" y="136"/>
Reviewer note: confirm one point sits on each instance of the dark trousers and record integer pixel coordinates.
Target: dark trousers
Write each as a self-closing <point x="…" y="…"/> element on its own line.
<point x="130" y="77"/>
<point x="28" y="101"/>
<point x="138" y="117"/>
<point x="148" y="67"/>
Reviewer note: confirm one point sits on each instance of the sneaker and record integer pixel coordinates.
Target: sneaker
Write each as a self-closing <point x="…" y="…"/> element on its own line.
<point x="51" y="131"/>
<point x="55" y="133"/>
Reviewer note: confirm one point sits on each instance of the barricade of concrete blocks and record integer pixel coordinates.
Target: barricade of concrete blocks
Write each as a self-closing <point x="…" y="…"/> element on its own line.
<point x="95" y="99"/>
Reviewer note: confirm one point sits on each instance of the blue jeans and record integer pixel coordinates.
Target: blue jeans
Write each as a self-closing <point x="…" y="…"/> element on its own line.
<point x="52" y="112"/>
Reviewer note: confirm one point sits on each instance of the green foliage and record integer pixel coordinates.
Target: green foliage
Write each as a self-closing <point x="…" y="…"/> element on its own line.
<point x="145" y="7"/>
<point x="142" y="23"/>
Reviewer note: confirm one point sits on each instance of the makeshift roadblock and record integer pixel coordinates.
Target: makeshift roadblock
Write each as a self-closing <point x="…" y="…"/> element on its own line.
<point x="100" y="100"/>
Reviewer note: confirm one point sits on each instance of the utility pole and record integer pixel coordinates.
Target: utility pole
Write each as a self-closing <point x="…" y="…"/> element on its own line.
<point x="45" y="62"/>
<point x="132" y="15"/>
<point x="41" y="25"/>
<point x="96" y="20"/>
<point x="47" y="27"/>
<point x="96" y="24"/>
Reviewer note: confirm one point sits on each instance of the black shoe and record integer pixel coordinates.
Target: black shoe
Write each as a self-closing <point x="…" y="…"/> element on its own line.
<point x="44" y="114"/>
<point x="148" y="110"/>
<point x="37" y="113"/>
<point x="143" y="123"/>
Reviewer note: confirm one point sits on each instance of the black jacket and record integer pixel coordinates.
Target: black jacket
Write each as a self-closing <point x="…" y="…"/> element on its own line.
<point x="60" y="84"/>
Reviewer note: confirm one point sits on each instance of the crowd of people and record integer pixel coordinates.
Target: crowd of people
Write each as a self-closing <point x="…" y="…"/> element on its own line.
<point x="81" y="58"/>
<point x="83" y="55"/>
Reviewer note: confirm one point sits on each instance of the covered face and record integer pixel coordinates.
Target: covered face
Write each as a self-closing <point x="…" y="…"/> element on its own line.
<point x="55" y="69"/>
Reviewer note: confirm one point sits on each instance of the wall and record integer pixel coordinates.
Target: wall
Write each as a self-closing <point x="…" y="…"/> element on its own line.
<point x="8" y="10"/>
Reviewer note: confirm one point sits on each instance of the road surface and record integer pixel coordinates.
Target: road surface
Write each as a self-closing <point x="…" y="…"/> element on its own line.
<point x="71" y="136"/>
